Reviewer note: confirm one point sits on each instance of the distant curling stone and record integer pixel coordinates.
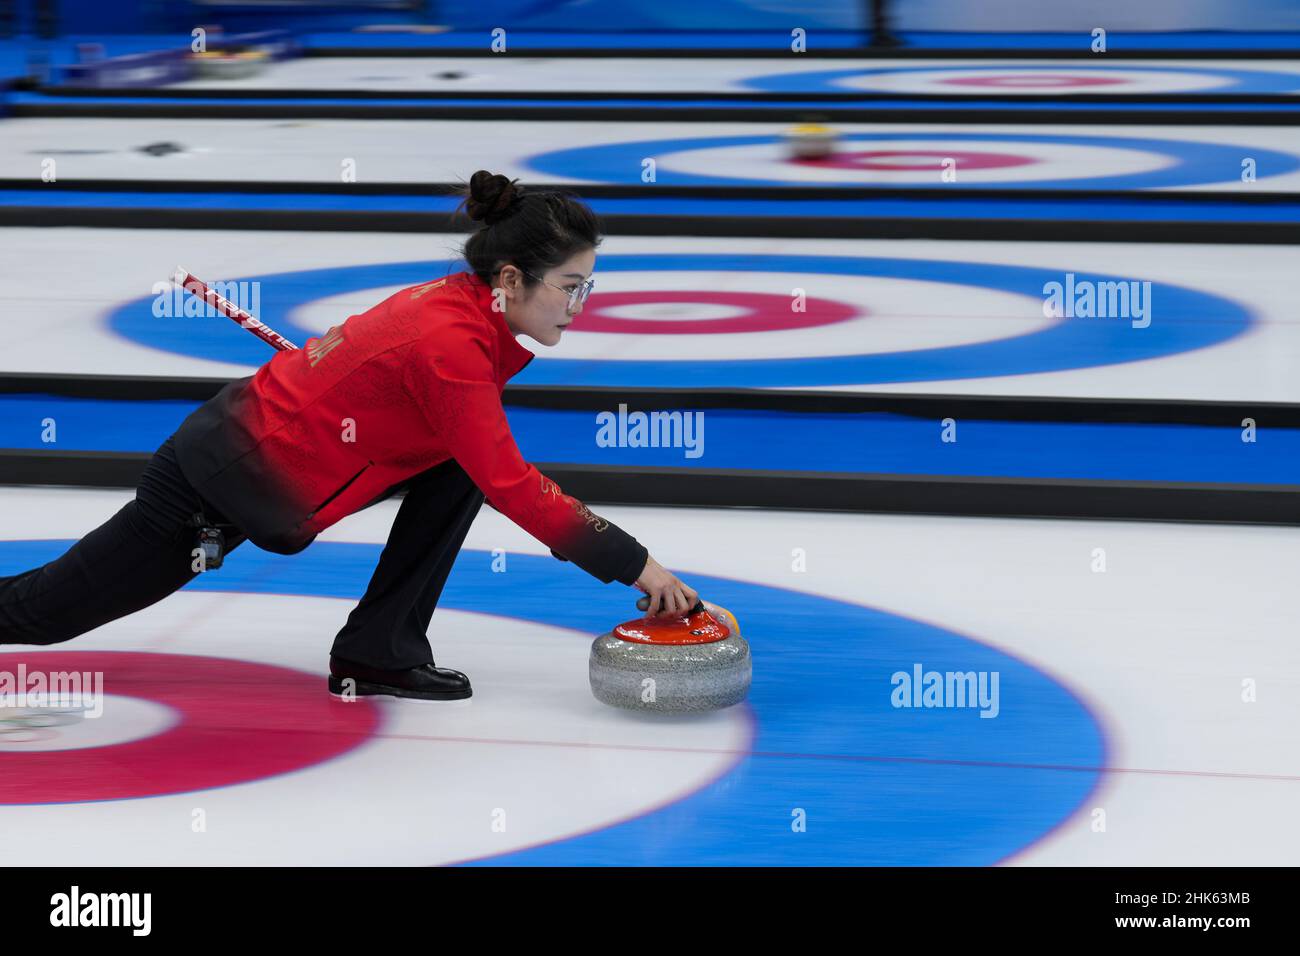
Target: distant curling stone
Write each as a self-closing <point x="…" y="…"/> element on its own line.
<point x="811" y="141"/>
<point x="694" y="663"/>
<point x="160" y="149"/>
<point x="230" y="64"/>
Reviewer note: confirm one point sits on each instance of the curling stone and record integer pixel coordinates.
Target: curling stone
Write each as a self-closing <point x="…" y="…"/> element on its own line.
<point x="230" y="63"/>
<point x="694" y="662"/>
<point x="811" y="141"/>
<point x="160" y="149"/>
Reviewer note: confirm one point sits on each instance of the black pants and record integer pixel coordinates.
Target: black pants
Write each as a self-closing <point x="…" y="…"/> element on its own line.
<point x="144" y="553"/>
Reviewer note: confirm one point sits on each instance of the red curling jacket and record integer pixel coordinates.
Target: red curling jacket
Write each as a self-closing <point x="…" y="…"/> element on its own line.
<point x="326" y="430"/>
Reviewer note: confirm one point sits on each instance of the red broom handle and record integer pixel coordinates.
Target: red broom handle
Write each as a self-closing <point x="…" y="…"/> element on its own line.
<point x="196" y="286"/>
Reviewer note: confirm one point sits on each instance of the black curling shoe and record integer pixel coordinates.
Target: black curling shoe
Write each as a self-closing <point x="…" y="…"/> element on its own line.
<point x="425" y="682"/>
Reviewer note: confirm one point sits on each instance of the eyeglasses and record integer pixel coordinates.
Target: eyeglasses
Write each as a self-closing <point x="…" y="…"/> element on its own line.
<point x="577" y="295"/>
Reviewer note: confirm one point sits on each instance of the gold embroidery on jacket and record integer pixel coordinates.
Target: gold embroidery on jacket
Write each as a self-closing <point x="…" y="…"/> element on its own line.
<point x="596" y="521"/>
<point x="427" y="287"/>
<point x="323" y="346"/>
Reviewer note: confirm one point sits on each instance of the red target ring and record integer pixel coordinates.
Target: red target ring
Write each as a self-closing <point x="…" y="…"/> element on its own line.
<point x="238" y="722"/>
<point x="906" y="160"/>
<point x="1052" y="81"/>
<point x="755" y="312"/>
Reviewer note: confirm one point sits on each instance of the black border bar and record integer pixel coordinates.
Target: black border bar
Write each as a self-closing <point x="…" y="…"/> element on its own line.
<point x="1244" y="906"/>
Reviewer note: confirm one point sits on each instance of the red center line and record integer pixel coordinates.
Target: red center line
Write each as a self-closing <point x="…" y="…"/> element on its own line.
<point x="797" y="755"/>
<point x="794" y="755"/>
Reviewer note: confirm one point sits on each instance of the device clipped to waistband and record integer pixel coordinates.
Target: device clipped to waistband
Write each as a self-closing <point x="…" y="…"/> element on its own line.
<point x="209" y="541"/>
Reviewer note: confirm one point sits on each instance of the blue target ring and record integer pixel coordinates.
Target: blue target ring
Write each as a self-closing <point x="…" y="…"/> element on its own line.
<point x="829" y="81"/>
<point x="880" y="785"/>
<point x="1195" y="163"/>
<point x="1183" y="319"/>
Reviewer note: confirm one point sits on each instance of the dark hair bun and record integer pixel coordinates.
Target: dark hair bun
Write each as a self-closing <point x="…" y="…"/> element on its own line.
<point x="491" y="197"/>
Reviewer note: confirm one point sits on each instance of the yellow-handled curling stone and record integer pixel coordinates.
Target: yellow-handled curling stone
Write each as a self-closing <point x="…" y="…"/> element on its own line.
<point x="811" y="141"/>
<point x="231" y="63"/>
<point x="692" y="662"/>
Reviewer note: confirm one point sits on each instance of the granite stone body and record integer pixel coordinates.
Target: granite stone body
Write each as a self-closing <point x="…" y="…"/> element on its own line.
<point x="672" y="677"/>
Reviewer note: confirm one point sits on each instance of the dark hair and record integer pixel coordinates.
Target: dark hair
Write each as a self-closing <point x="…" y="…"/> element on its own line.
<point x="534" y="230"/>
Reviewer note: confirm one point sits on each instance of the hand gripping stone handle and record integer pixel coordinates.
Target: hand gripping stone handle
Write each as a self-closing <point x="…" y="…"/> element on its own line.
<point x="643" y="604"/>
